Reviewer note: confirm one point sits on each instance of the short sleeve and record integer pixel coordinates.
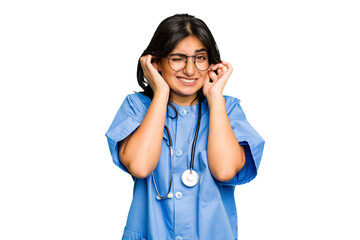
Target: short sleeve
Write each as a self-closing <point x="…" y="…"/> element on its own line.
<point x="126" y="121"/>
<point x="246" y="135"/>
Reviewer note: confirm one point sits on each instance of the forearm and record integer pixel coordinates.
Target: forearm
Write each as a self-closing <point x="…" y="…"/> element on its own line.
<point x="225" y="156"/>
<point x="140" y="152"/>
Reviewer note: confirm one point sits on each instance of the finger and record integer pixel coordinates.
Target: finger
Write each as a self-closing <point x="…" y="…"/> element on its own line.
<point x="220" y="71"/>
<point x="147" y="67"/>
<point x="228" y="65"/>
<point x="216" y="66"/>
<point x="223" y="64"/>
<point x="224" y="69"/>
<point x="220" y="68"/>
<point x="144" y="62"/>
<point x="148" y="60"/>
<point x="213" y="76"/>
<point x="150" y="65"/>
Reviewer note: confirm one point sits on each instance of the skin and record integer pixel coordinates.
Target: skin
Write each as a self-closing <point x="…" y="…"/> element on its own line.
<point x="140" y="151"/>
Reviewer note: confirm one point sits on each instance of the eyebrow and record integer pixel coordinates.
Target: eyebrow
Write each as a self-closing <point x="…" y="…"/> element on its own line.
<point x="201" y="50"/>
<point x="196" y="51"/>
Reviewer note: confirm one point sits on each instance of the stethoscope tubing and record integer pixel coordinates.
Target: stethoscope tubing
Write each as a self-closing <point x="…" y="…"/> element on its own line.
<point x="195" y="139"/>
<point x="169" y="195"/>
<point x="171" y="168"/>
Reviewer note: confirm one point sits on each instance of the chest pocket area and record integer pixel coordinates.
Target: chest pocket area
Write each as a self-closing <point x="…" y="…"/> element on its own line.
<point x="208" y="188"/>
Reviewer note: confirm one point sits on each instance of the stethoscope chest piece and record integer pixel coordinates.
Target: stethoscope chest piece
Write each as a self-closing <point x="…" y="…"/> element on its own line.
<point x="190" y="178"/>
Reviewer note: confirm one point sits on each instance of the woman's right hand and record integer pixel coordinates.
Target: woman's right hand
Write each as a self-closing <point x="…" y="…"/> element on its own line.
<point x="152" y="75"/>
<point x="140" y="152"/>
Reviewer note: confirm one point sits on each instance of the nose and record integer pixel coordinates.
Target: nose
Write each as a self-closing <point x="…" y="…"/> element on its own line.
<point x="190" y="67"/>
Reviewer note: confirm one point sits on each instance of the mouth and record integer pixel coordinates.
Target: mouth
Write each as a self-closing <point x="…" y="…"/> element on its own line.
<point x="187" y="81"/>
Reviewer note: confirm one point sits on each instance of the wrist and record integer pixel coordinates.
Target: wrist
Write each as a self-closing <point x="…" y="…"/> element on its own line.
<point x="215" y="100"/>
<point x="162" y="95"/>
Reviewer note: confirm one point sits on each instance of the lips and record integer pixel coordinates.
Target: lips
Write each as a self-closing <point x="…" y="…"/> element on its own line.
<point x="187" y="81"/>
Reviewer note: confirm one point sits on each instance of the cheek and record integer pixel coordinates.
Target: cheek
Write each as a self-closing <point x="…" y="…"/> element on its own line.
<point x="168" y="77"/>
<point x="205" y="77"/>
<point x="166" y="73"/>
<point x="161" y="65"/>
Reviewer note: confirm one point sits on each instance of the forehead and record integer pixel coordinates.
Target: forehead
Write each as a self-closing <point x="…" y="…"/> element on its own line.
<point x="188" y="45"/>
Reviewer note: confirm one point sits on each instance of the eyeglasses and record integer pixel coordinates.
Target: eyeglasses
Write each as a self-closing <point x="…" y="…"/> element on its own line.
<point x="178" y="62"/>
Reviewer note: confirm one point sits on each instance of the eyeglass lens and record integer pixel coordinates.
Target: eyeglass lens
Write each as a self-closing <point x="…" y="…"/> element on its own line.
<point x="178" y="62"/>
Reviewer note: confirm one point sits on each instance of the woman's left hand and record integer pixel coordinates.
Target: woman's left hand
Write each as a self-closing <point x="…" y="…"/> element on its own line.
<point x="214" y="86"/>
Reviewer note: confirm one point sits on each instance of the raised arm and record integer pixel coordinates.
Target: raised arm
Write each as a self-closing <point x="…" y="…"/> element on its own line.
<point x="140" y="151"/>
<point x="225" y="156"/>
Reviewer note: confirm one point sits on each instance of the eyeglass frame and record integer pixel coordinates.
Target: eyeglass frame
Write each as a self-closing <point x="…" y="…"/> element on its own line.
<point x="186" y="61"/>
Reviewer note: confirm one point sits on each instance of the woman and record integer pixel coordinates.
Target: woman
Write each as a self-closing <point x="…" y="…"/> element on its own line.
<point x="184" y="173"/>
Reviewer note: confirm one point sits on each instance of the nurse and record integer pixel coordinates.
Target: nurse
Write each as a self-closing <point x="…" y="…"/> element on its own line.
<point x="185" y="144"/>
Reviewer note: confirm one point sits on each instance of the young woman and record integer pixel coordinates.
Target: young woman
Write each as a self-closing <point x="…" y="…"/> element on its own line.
<point x="184" y="143"/>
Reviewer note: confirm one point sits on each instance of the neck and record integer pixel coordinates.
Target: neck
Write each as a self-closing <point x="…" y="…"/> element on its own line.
<point x="184" y="100"/>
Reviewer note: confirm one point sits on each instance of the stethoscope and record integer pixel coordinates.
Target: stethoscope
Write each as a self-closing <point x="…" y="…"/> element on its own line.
<point x="189" y="177"/>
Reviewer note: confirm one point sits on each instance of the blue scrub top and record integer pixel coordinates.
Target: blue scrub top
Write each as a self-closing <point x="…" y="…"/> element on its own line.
<point x="207" y="210"/>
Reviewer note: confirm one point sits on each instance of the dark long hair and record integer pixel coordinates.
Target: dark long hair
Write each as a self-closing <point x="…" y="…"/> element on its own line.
<point x="168" y="34"/>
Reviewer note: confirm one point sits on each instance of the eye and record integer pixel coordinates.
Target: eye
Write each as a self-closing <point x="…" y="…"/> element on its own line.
<point x="178" y="58"/>
<point x="201" y="58"/>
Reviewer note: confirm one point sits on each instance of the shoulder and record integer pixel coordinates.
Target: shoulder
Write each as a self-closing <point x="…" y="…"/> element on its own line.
<point x="137" y="100"/>
<point x="231" y="102"/>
